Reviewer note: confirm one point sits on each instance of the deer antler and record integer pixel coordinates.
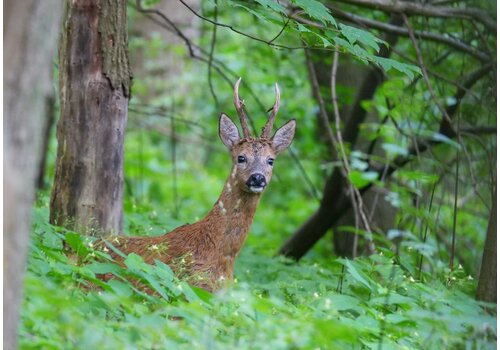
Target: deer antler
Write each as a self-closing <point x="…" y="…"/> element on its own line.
<point x="266" y="130"/>
<point x="239" y="104"/>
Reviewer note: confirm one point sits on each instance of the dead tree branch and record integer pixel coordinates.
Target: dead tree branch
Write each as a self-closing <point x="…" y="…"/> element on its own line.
<point x="420" y="9"/>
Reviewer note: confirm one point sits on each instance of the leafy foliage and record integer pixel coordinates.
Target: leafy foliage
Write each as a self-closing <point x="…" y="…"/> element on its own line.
<point x="404" y="297"/>
<point x="274" y="304"/>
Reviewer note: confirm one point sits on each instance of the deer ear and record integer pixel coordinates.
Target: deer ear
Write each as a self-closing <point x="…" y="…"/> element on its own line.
<point x="228" y="131"/>
<point x="284" y="136"/>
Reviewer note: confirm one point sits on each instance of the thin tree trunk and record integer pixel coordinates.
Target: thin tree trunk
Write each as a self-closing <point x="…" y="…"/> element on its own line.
<point x="49" y="123"/>
<point x="94" y="88"/>
<point x="487" y="286"/>
<point x="30" y="31"/>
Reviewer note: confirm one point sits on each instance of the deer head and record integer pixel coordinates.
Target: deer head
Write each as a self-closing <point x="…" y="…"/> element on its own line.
<point x="253" y="158"/>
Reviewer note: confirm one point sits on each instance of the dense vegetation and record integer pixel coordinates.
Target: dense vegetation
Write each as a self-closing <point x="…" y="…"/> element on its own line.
<point x="406" y="296"/>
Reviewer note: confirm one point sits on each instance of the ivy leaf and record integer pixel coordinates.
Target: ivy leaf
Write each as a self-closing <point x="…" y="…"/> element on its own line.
<point x="316" y="10"/>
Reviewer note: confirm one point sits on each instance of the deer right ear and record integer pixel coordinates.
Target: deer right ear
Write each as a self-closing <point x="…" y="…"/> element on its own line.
<point x="284" y="136"/>
<point x="228" y="131"/>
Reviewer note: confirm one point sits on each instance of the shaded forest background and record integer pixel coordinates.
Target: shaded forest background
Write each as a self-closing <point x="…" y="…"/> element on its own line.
<point x="393" y="164"/>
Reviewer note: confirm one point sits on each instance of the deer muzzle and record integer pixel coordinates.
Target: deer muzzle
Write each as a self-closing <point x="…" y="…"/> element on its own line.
<point x="256" y="183"/>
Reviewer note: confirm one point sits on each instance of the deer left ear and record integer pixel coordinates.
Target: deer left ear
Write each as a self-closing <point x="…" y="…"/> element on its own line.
<point x="284" y="136"/>
<point x="228" y="131"/>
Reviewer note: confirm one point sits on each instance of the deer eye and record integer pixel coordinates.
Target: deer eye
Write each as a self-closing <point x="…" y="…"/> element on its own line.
<point x="270" y="161"/>
<point x="241" y="159"/>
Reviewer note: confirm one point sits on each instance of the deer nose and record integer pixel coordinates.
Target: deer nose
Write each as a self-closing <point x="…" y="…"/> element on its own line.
<point x="256" y="180"/>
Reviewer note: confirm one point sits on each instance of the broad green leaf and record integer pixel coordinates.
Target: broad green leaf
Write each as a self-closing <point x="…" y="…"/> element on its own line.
<point x="102" y="268"/>
<point x="355" y="35"/>
<point x="388" y="64"/>
<point x="316" y="10"/>
<point x="354" y="273"/>
<point x="120" y="288"/>
<point x="76" y="242"/>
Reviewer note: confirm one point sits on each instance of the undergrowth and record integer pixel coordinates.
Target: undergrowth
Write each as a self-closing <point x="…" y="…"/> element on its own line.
<point x="369" y="303"/>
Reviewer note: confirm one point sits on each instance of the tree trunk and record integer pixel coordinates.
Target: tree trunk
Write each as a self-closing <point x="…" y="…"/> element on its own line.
<point x="49" y="123"/>
<point x="30" y="31"/>
<point x="94" y="88"/>
<point x="487" y="286"/>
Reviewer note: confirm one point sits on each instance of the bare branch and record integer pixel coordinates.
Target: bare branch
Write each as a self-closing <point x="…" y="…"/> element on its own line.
<point x="356" y="196"/>
<point x="420" y="9"/>
<point x="211" y="55"/>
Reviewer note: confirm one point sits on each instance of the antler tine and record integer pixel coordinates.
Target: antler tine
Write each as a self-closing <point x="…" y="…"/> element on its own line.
<point x="239" y="104"/>
<point x="266" y="131"/>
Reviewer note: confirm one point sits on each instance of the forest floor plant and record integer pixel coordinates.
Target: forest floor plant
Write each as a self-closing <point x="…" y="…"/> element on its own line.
<point x="369" y="303"/>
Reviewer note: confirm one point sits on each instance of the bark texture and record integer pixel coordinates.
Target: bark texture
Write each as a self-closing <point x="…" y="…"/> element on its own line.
<point x="30" y="32"/>
<point x="487" y="286"/>
<point x="94" y="88"/>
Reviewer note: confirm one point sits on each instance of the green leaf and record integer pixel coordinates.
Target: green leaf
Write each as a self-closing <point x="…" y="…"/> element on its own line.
<point x="76" y="242"/>
<point x="388" y="63"/>
<point x="354" y="272"/>
<point x="316" y="10"/>
<point x="355" y="35"/>
<point x="361" y="179"/>
<point x="203" y="294"/>
<point x="120" y="288"/>
<point x="394" y="149"/>
<point x="102" y="268"/>
<point x="273" y="5"/>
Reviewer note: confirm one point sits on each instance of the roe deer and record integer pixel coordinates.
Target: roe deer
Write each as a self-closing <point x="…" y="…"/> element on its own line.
<point x="206" y="250"/>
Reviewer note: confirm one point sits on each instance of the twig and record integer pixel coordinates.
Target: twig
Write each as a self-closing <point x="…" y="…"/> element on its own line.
<point x="436" y="101"/>
<point x="211" y="55"/>
<point x="424" y="238"/>
<point x="280" y="32"/>
<point x="268" y="42"/>
<point x="357" y="195"/>
<point x="455" y="209"/>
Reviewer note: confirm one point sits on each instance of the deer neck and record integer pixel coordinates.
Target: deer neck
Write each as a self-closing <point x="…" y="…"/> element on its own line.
<point x="233" y="212"/>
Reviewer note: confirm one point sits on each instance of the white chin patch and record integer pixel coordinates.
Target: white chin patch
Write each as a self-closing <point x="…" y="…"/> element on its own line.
<point x="256" y="189"/>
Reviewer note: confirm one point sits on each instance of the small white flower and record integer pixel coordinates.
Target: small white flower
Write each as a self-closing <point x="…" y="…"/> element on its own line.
<point x="316" y="295"/>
